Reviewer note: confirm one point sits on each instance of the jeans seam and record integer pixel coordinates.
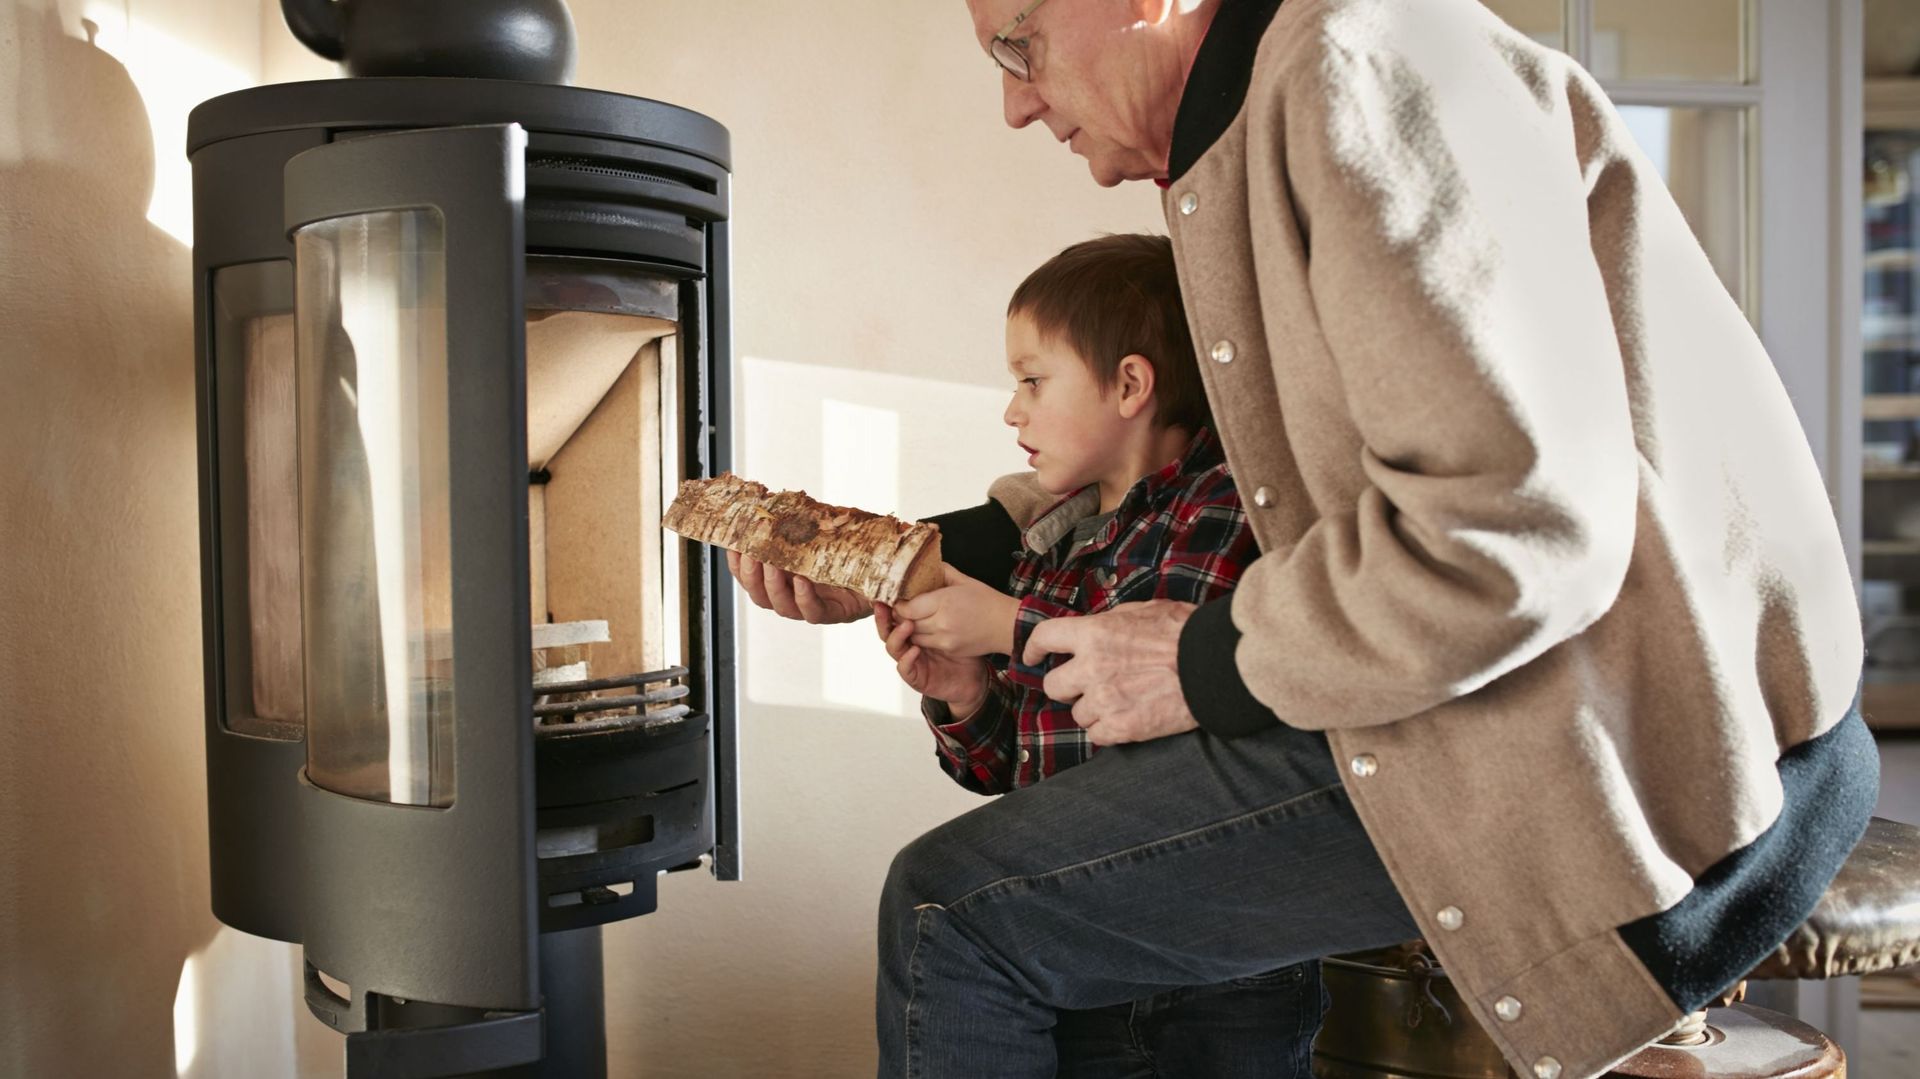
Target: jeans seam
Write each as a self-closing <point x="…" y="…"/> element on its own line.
<point x="1310" y="1015"/>
<point x="1141" y="848"/>
<point x="913" y="989"/>
<point x="1139" y="1040"/>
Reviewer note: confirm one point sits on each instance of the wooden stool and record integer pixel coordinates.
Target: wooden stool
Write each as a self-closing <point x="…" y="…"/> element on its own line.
<point x="1396" y="1015"/>
<point x="1868" y="921"/>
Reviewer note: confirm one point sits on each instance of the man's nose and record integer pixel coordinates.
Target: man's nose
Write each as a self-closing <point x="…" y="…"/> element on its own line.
<point x="1022" y="102"/>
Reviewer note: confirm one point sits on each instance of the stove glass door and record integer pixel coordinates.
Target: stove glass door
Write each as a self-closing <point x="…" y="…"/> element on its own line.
<point x="417" y="819"/>
<point x="376" y="577"/>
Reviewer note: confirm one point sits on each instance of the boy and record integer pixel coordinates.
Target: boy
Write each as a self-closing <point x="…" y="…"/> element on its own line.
<point x="1110" y="408"/>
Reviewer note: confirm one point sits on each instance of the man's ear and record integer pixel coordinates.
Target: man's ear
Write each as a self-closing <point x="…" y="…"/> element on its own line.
<point x="1133" y="382"/>
<point x="1151" y="12"/>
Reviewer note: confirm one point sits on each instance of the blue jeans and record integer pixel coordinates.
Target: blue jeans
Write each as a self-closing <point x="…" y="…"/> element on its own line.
<point x="1249" y="1028"/>
<point x="1186" y="861"/>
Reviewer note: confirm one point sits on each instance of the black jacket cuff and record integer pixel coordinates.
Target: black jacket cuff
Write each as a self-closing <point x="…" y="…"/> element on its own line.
<point x="982" y="542"/>
<point x="1210" y="680"/>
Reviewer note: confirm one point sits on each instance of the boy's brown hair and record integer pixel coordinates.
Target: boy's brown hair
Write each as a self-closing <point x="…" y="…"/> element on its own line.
<point x="1111" y="298"/>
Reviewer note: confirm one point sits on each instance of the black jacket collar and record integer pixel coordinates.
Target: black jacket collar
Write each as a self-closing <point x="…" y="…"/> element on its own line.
<point x="1217" y="85"/>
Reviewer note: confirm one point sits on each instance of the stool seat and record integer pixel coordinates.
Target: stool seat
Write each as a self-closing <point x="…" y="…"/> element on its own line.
<point x="1869" y="918"/>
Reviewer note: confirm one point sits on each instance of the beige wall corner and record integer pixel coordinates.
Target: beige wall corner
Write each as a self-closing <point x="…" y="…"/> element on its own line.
<point x="111" y="962"/>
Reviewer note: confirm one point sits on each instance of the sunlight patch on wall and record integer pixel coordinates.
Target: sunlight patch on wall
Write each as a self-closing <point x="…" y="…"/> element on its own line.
<point x="173" y="76"/>
<point x="859" y="454"/>
<point x="186" y="1016"/>
<point x="860" y="466"/>
<point x="235" y="1007"/>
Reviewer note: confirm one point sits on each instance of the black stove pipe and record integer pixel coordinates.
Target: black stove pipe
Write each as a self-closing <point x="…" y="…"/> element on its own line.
<point x="523" y="40"/>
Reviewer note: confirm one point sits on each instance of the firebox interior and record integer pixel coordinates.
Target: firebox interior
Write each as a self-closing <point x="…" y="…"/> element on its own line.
<point x="598" y="386"/>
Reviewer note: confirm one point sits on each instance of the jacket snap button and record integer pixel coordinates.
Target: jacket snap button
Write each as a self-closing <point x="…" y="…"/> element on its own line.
<point x="1507" y="1008"/>
<point x="1263" y="497"/>
<point x="1450" y="918"/>
<point x="1189" y="202"/>
<point x="1364" y="765"/>
<point x="1546" y="1068"/>
<point x="1222" y="352"/>
<point x="1024" y="756"/>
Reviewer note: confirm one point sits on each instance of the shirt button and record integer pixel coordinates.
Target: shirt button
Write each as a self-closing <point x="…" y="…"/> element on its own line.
<point x="1222" y="352"/>
<point x="1106" y="578"/>
<point x="1450" y="918"/>
<point x="1189" y="202"/>
<point x="1024" y="755"/>
<point x="1507" y="1008"/>
<point x="1364" y="765"/>
<point x="1546" y="1068"/>
<point x="1263" y="497"/>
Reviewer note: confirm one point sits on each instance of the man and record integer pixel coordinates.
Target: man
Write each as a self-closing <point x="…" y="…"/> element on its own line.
<point x="1551" y="638"/>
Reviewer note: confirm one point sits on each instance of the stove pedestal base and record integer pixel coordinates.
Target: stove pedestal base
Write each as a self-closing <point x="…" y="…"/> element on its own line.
<point x="573" y="985"/>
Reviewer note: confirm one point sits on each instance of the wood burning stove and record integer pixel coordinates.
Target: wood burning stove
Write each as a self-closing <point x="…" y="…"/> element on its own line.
<point x="459" y="339"/>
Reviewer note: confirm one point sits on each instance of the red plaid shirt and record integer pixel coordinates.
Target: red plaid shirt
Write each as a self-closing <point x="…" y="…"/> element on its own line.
<point x="1177" y="534"/>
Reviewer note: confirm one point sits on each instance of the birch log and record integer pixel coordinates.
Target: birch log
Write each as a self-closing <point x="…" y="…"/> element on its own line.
<point x="883" y="558"/>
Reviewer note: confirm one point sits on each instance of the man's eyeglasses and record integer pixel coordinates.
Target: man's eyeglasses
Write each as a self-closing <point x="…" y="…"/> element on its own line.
<point x="1011" y="53"/>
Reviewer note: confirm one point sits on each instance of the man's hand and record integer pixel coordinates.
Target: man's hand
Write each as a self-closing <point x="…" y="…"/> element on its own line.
<point x="961" y="682"/>
<point x="964" y="618"/>
<point x="793" y="597"/>
<point x="1124" y="677"/>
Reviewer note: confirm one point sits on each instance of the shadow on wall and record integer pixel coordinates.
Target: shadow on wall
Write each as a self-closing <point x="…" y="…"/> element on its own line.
<point x="103" y="891"/>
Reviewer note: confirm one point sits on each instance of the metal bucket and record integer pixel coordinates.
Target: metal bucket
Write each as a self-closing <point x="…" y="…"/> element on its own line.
<point x="1395" y="1014"/>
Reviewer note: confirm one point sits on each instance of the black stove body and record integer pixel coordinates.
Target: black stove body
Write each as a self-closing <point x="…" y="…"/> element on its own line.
<point x="458" y="339"/>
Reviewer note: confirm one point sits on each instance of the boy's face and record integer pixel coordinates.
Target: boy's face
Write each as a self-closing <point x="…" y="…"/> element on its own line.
<point x="1070" y="429"/>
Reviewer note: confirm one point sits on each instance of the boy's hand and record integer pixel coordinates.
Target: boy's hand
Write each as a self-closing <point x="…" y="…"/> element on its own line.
<point x="961" y="682"/>
<point x="793" y="597"/>
<point x="964" y="618"/>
